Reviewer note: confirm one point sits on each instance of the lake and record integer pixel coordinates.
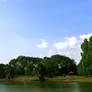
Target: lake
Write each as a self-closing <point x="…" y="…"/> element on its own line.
<point x="57" y="86"/>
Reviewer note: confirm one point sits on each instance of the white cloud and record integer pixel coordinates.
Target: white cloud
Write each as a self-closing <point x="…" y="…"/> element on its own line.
<point x="60" y="45"/>
<point x="43" y="44"/>
<point x="85" y="36"/>
<point x="69" y="42"/>
<point x="72" y="52"/>
<point x="71" y="47"/>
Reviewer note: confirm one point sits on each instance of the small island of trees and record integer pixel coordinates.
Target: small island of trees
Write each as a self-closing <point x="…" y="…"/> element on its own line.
<point x="56" y="65"/>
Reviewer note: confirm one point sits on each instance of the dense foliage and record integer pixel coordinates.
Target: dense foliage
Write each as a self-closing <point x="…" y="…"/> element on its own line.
<point x="34" y="66"/>
<point x="85" y="65"/>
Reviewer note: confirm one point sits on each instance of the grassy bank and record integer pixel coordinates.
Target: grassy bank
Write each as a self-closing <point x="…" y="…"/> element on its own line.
<point x="58" y="78"/>
<point x="72" y="79"/>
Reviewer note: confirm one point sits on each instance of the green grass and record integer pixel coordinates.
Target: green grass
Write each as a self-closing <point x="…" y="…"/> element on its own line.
<point x="72" y="79"/>
<point x="58" y="78"/>
<point x="21" y="79"/>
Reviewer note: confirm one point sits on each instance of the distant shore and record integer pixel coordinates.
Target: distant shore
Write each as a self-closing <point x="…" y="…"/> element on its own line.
<point x="57" y="78"/>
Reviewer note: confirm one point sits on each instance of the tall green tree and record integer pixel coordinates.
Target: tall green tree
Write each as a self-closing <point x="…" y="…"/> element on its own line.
<point x="85" y="65"/>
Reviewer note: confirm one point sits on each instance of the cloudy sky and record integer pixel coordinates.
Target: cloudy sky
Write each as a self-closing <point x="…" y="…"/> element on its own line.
<point x="43" y="27"/>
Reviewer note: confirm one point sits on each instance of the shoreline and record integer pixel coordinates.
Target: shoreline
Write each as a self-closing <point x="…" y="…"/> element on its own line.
<point x="57" y="78"/>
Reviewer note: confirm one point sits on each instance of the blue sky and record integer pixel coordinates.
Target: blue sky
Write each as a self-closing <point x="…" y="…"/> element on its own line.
<point x="43" y="27"/>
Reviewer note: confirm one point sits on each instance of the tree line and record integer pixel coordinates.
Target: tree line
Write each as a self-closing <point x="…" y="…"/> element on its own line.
<point x="56" y="65"/>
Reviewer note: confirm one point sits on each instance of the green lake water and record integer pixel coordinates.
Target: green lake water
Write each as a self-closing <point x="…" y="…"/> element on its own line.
<point x="57" y="86"/>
